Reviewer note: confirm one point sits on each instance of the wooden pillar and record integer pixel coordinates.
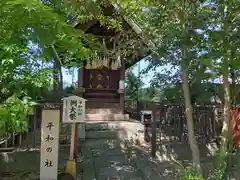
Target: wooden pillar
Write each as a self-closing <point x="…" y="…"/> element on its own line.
<point x="121" y="91"/>
<point x="80" y="80"/>
<point x="81" y="126"/>
<point x="154" y="134"/>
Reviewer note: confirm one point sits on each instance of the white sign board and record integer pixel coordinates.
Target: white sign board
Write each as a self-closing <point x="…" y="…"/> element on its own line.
<point x="73" y="109"/>
<point x="121" y="84"/>
<point x="49" y="144"/>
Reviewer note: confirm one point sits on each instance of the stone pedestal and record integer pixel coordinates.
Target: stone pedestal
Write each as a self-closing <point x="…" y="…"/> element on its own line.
<point x="81" y="132"/>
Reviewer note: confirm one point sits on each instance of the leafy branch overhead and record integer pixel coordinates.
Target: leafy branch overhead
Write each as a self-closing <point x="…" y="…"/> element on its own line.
<point x="201" y="40"/>
<point x="28" y="29"/>
<point x="43" y="23"/>
<point x="33" y="33"/>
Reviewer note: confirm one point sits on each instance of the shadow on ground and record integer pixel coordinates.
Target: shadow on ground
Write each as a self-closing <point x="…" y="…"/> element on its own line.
<point x="118" y="158"/>
<point x="113" y="156"/>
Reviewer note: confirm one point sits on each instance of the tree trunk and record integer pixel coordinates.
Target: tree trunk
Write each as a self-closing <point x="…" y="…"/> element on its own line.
<point x="57" y="71"/>
<point x="191" y="136"/>
<point x="58" y="77"/>
<point x="226" y="140"/>
<point x="187" y="97"/>
<point x="227" y="125"/>
<point x="55" y="76"/>
<point x="233" y="88"/>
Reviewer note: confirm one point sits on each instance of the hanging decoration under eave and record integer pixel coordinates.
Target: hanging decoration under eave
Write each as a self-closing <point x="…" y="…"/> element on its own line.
<point x="99" y="62"/>
<point x="88" y="65"/>
<point x="119" y="64"/>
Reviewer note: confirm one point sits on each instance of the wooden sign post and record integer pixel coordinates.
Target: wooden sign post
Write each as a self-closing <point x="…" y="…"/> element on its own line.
<point x="73" y="112"/>
<point x="49" y="144"/>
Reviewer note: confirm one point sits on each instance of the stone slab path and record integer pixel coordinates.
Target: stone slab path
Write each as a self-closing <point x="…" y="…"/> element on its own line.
<point x="106" y="160"/>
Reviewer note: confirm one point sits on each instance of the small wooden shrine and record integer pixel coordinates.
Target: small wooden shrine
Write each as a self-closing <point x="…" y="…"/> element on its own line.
<point x="101" y="80"/>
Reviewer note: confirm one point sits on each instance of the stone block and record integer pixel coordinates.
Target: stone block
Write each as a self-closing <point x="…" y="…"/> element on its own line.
<point x="87" y="169"/>
<point x="81" y="132"/>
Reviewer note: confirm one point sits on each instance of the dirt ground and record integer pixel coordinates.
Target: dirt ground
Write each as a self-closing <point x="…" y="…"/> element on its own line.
<point x="103" y="160"/>
<point x="25" y="164"/>
<point x="106" y="159"/>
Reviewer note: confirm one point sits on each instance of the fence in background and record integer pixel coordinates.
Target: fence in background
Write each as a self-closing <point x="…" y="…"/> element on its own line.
<point x="168" y="122"/>
<point x="10" y="142"/>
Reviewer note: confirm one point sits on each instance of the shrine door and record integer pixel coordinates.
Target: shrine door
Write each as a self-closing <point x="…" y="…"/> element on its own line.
<point x="101" y="87"/>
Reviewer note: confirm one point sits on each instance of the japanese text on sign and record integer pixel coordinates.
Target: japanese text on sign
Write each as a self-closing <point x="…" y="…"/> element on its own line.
<point x="49" y="144"/>
<point x="49" y="139"/>
<point x="80" y="108"/>
<point x="74" y="109"/>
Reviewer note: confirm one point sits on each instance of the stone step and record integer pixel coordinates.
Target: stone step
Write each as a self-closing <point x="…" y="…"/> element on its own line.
<point x="102" y="125"/>
<point x="112" y="129"/>
<point x="103" y="111"/>
<point x="104" y="134"/>
<point x="107" y="117"/>
<point x="103" y="130"/>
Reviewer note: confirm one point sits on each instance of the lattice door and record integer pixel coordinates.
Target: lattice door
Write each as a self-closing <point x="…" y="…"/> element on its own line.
<point x="98" y="78"/>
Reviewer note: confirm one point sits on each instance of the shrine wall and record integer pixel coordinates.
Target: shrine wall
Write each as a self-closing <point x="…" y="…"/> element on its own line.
<point x="101" y="78"/>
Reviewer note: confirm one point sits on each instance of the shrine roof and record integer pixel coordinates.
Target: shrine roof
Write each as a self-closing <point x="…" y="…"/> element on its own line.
<point x="97" y="29"/>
